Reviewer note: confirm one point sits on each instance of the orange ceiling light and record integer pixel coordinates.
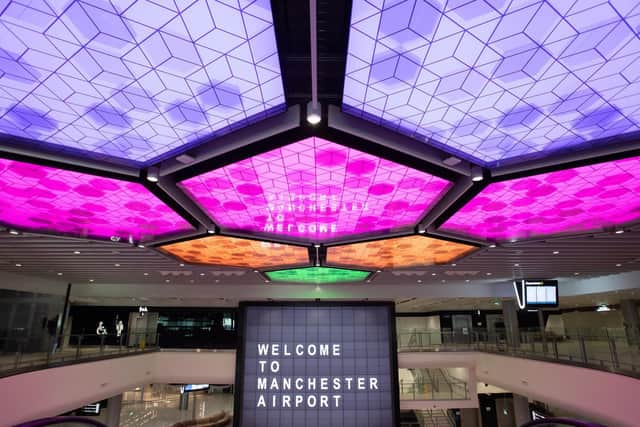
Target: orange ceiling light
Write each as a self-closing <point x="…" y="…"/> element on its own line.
<point x="236" y="252"/>
<point x="410" y="251"/>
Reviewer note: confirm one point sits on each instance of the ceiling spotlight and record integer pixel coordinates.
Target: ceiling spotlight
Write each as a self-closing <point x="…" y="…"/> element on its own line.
<point x="378" y="271"/>
<point x="153" y="174"/>
<point x="313" y="113"/>
<point x="59" y="274"/>
<point x="14" y="232"/>
<point x="256" y="271"/>
<point x="619" y="231"/>
<point x="146" y="274"/>
<point x="202" y="274"/>
<point x="91" y="280"/>
<point x="368" y="281"/>
<point x="181" y="265"/>
<point x="116" y="265"/>
<point x="489" y="274"/>
<point x="493" y="245"/>
<point x="76" y="252"/>
<point x="476" y="174"/>
<point x="555" y="252"/>
<point x="18" y="265"/>
<point x="618" y="265"/>
<point x="419" y="280"/>
<point x="433" y="274"/>
<point x="516" y="265"/>
<point x="576" y="273"/>
<point x="267" y="281"/>
<point x="467" y="281"/>
<point x="453" y="265"/>
<point x="422" y="231"/>
<point x="211" y="231"/>
<point x="316" y="245"/>
<point x="167" y="280"/>
<point x="141" y="246"/>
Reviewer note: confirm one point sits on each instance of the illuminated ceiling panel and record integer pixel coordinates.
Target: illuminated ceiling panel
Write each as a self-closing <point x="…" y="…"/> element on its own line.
<point x="315" y="190"/>
<point x="317" y="275"/>
<point x="410" y="251"/>
<point x="572" y="200"/>
<point x="497" y="80"/>
<point x="235" y="252"/>
<point x="138" y="79"/>
<point x="44" y="199"/>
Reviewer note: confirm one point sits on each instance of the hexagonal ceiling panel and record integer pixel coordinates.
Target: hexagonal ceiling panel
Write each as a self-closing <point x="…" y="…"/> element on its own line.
<point x="582" y="199"/>
<point x="135" y="80"/>
<point x="497" y="80"/>
<point x="400" y="252"/>
<point x="50" y="200"/>
<point x="235" y="252"/>
<point x="315" y="190"/>
<point x="317" y="275"/>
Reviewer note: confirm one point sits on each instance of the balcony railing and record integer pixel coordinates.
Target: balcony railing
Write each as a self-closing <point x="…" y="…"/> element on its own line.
<point x="594" y="349"/>
<point x="430" y="391"/>
<point x="19" y="355"/>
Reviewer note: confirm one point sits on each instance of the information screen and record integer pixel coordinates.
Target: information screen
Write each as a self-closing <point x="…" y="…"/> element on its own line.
<point x="536" y="293"/>
<point x="317" y="365"/>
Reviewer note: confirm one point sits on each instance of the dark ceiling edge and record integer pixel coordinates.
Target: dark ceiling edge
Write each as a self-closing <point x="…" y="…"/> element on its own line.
<point x="574" y="160"/>
<point x="13" y="148"/>
<point x="262" y="130"/>
<point x="72" y="164"/>
<point x="393" y="140"/>
<point x="169" y="187"/>
<point x="457" y="191"/>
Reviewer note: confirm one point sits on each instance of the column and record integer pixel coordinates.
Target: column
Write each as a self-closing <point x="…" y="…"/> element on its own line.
<point x="543" y="332"/>
<point x="114" y="405"/>
<point x="512" y="328"/>
<point x="631" y="321"/>
<point x="184" y="401"/>
<point x="469" y="417"/>
<point x="521" y="411"/>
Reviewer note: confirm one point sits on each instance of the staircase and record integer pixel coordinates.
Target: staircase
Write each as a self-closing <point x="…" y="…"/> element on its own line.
<point x="434" y="418"/>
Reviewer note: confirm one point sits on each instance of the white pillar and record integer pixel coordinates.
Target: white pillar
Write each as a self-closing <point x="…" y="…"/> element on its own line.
<point x="114" y="405"/>
<point x="512" y="327"/>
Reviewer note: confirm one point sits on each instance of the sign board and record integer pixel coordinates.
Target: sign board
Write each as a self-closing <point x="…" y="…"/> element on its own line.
<point x="317" y="365"/>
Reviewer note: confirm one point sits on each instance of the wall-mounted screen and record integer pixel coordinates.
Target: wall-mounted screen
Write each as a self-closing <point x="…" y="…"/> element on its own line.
<point x="536" y="293"/>
<point x="317" y="364"/>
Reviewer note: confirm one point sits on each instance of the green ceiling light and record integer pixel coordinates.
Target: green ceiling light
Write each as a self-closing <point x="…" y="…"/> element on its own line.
<point x="317" y="275"/>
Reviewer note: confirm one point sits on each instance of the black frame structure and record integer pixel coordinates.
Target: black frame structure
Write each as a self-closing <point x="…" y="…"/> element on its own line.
<point x="240" y="351"/>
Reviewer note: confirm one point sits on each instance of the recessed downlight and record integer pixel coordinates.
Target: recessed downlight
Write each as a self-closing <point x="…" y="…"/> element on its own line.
<point x="18" y="265"/>
<point x="76" y="252"/>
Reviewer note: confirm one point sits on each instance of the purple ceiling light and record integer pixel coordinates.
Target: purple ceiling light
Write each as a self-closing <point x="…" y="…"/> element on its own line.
<point x="44" y="199"/>
<point x="497" y="80"/>
<point x="583" y="199"/>
<point x="137" y="80"/>
<point x="315" y="190"/>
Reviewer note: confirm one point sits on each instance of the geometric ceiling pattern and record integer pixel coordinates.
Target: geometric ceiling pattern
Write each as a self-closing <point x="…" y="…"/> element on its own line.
<point x="409" y="251"/>
<point x="317" y="275"/>
<point x="45" y="199"/>
<point x="315" y="190"/>
<point x="235" y="252"/>
<point x="582" y="199"/>
<point x="136" y="80"/>
<point x="497" y="80"/>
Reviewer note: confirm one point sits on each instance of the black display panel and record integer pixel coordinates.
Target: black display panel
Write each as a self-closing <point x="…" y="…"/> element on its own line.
<point x="536" y="293"/>
<point x="317" y="365"/>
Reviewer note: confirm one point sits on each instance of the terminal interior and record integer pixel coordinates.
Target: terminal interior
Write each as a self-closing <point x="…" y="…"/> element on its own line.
<point x="449" y="189"/>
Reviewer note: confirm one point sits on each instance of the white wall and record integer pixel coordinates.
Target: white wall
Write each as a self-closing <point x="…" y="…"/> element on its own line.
<point x="51" y="392"/>
<point x="592" y="320"/>
<point x="406" y="325"/>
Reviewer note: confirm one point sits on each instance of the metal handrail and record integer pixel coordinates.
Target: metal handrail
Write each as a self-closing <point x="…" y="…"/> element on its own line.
<point x="60" y="420"/>
<point x="562" y="421"/>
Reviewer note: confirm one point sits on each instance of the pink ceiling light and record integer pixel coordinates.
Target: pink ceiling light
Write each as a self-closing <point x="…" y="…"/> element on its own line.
<point x="315" y="190"/>
<point x="44" y="199"/>
<point x="572" y="200"/>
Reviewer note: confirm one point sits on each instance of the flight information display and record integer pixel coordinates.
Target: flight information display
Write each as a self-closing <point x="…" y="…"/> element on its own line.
<point x="536" y="293"/>
<point x="316" y="364"/>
